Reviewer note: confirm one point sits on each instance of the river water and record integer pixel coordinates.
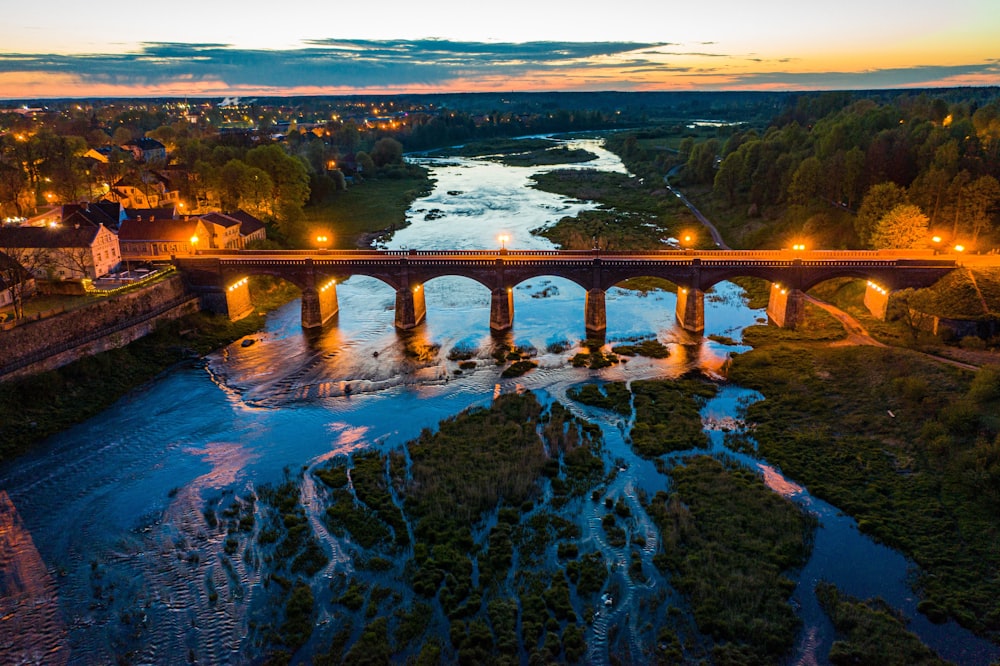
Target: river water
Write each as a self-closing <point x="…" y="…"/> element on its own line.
<point x="105" y="545"/>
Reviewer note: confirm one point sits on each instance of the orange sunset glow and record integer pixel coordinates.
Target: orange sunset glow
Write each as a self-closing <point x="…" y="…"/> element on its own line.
<point x="640" y="46"/>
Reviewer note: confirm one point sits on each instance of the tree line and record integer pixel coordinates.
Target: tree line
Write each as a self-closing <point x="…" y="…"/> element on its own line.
<point x="909" y="167"/>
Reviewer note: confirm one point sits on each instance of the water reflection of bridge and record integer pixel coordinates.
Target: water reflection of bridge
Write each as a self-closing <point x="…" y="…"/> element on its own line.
<point x="220" y="277"/>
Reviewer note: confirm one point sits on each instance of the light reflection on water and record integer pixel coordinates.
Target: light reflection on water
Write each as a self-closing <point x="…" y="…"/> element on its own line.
<point x="126" y="488"/>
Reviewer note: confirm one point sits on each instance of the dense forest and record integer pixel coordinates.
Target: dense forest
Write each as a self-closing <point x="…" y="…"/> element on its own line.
<point x="854" y="171"/>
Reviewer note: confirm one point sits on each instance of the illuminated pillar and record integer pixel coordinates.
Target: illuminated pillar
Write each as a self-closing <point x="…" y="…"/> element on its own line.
<point x="876" y="300"/>
<point x="691" y="309"/>
<point x="238" y="303"/>
<point x="501" y="310"/>
<point x="319" y="305"/>
<point x="785" y="306"/>
<point x="594" y="314"/>
<point x="410" y="307"/>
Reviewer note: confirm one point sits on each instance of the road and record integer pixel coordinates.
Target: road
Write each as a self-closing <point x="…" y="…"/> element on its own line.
<point x="716" y="236"/>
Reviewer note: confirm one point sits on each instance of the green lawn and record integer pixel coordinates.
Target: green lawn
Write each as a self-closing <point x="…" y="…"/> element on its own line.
<point x="367" y="208"/>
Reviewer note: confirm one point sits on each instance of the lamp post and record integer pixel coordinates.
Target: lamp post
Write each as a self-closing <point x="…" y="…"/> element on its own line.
<point x="503" y="238"/>
<point x="322" y="241"/>
<point x="194" y="244"/>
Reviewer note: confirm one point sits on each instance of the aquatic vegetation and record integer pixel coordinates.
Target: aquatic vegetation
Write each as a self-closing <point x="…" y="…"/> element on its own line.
<point x="901" y="443"/>
<point x="871" y="632"/>
<point x="729" y="543"/>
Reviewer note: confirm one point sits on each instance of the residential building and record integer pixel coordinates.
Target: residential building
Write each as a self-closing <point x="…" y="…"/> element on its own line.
<point x="62" y="251"/>
<point x="146" y="150"/>
<point x="159" y="239"/>
<point x="251" y="229"/>
<point x="222" y="232"/>
<point x="107" y="213"/>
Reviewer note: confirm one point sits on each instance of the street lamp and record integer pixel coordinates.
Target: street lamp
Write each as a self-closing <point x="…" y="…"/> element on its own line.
<point x="503" y="238"/>
<point x="194" y="244"/>
<point x="959" y="248"/>
<point x="322" y="240"/>
<point x="799" y="247"/>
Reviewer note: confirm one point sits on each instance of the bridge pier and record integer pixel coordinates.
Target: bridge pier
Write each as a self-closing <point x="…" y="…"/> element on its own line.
<point x="232" y="301"/>
<point x="501" y="309"/>
<point x="410" y="307"/>
<point x="595" y="316"/>
<point x="691" y="309"/>
<point x="785" y="306"/>
<point x="319" y="305"/>
<point x="877" y="300"/>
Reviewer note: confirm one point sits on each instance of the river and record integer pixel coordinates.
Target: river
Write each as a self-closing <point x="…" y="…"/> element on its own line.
<point x="105" y="549"/>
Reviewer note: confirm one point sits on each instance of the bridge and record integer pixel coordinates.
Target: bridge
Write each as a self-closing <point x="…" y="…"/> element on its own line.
<point x="220" y="277"/>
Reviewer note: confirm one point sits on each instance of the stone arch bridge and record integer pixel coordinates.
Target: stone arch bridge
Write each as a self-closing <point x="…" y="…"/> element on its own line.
<point x="220" y="277"/>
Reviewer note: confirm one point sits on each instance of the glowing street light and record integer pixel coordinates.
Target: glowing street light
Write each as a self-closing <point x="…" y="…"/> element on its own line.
<point x="194" y="244"/>
<point x="503" y="238"/>
<point x="322" y="240"/>
<point x="799" y="247"/>
<point x="959" y="248"/>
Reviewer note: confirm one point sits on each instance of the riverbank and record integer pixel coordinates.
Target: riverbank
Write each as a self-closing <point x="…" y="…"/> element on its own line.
<point x="35" y="407"/>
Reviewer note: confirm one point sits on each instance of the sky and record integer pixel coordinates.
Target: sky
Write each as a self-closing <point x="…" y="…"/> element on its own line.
<point x="206" y="48"/>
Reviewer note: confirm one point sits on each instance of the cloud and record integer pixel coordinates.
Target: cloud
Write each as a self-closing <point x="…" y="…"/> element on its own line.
<point x="987" y="73"/>
<point x="326" y="63"/>
<point x="341" y="66"/>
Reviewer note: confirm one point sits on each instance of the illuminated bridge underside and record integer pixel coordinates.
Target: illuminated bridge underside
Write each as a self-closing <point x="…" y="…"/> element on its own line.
<point x="219" y="277"/>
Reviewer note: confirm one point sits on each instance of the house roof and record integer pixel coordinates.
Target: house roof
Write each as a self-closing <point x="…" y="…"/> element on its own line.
<point x="48" y="237"/>
<point x="105" y="213"/>
<point x="159" y="229"/>
<point x="248" y="223"/>
<point x="151" y="213"/>
<point x="145" y="144"/>
<point x="221" y="219"/>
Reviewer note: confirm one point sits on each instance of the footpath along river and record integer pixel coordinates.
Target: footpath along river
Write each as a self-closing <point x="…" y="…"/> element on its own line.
<point x="105" y="545"/>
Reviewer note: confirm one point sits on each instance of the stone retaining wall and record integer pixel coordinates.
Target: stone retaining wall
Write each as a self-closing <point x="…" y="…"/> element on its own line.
<point x="106" y="324"/>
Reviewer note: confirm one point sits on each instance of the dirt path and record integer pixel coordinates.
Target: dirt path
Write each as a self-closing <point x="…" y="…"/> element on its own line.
<point x="856" y="333"/>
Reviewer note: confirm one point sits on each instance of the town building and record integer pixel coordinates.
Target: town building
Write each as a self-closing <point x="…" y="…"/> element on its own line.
<point x="159" y="239"/>
<point x="146" y="150"/>
<point x="62" y="251"/>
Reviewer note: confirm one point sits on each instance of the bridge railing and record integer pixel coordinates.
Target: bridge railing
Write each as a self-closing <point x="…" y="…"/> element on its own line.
<point x="707" y="254"/>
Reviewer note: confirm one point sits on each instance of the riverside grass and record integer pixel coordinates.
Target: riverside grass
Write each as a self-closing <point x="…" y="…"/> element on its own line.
<point x="907" y="446"/>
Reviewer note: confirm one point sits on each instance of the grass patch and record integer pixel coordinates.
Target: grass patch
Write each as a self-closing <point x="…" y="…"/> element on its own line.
<point x="369" y="207"/>
<point x="728" y="541"/>
<point x="907" y="446"/>
<point x="871" y="632"/>
<point x="667" y="417"/>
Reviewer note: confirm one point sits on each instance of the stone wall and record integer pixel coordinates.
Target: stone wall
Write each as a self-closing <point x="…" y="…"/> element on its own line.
<point x="955" y="328"/>
<point x="106" y="324"/>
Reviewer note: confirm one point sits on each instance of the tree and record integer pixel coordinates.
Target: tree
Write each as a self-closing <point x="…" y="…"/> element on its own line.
<point x="365" y="163"/>
<point x="290" y="182"/>
<point x="729" y="176"/>
<point x="805" y="181"/>
<point x="18" y="265"/>
<point x="879" y="200"/>
<point x="701" y="163"/>
<point x="980" y="196"/>
<point x="387" y="151"/>
<point x="905" y="226"/>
